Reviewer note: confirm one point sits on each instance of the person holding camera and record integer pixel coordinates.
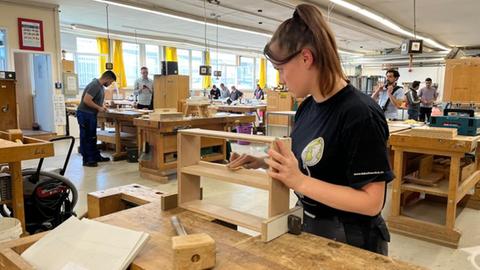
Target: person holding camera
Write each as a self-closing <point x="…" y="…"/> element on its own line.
<point x="390" y="95"/>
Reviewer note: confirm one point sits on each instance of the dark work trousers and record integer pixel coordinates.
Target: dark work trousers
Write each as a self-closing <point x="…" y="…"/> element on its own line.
<point x="413" y="114"/>
<point x="88" y="136"/>
<point x="425" y="113"/>
<point x="372" y="236"/>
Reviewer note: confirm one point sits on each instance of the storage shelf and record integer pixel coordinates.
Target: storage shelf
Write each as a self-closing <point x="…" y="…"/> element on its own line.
<point x="226" y="214"/>
<point x="221" y="172"/>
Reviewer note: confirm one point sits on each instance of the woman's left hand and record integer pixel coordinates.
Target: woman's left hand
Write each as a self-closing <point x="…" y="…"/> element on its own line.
<point x="284" y="166"/>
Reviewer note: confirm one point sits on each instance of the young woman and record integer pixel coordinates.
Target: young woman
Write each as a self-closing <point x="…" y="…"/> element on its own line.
<point x="338" y="164"/>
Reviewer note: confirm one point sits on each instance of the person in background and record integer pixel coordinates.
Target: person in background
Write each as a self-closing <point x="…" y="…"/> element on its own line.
<point x="258" y="93"/>
<point x="143" y="90"/>
<point x="390" y="96"/>
<point x="235" y="94"/>
<point x="413" y="101"/>
<point x="428" y="95"/>
<point x="224" y="92"/>
<point x="215" y="92"/>
<point x="90" y="104"/>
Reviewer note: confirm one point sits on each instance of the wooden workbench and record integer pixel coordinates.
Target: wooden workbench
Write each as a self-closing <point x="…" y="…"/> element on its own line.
<point x="13" y="153"/>
<point x="122" y="120"/>
<point x="161" y="137"/>
<point x="451" y="192"/>
<point x="241" y="108"/>
<point x="235" y="250"/>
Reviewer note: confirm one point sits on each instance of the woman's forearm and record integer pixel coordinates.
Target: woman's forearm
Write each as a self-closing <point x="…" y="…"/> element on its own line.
<point x="366" y="201"/>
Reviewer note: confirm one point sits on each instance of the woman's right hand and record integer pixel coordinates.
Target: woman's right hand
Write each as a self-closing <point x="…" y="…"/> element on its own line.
<point x="245" y="161"/>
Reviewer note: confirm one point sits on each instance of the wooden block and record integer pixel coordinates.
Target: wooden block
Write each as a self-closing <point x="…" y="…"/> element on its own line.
<point x="15" y="134"/>
<point x="425" y="167"/>
<point x="434" y="132"/>
<point x="166" y="116"/>
<point x="278" y="225"/>
<point x="194" y="251"/>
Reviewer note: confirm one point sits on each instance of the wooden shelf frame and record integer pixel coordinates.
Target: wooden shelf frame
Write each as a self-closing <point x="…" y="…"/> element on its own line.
<point x="453" y="189"/>
<point x="191" y="168"/>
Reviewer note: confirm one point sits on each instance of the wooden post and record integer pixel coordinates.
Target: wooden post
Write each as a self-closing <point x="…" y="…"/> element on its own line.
<point x="397" y="182"/>
<point x="188" y="154"/>
<point x="452" y="191"/>
<point x="17" y="192"/>
<point x="279" y="194"/>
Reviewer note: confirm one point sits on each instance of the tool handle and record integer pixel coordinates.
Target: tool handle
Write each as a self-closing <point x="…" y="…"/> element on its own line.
<point x="178" y="226"/>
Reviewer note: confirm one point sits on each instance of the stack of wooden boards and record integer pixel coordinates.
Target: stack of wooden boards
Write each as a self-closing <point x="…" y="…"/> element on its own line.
<point x="429" y="170"/>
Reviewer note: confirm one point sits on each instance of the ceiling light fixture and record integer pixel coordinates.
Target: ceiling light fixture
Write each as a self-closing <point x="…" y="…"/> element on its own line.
<point x="181" y="18"/>
<point x="387" y="23"/>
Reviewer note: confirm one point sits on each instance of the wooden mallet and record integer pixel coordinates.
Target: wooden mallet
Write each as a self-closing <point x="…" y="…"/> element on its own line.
<point x="193" y="251"/>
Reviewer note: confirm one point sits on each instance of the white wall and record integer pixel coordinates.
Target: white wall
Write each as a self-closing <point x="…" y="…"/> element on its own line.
<point x="437" y="74"/>
<point x="48" y="14"/>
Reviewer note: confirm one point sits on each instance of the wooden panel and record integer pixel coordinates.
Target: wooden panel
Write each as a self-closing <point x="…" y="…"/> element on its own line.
<point x="440" y="190"/>
<point x="170" y="90"/>
<point x="279" y="195"/>
<point x="229" y="215"/>
<point x="279" y="101"/>
<point x="8" y="105"/>
<point x="188" y="154"/>
<point x="245" y="177"/>
<point x="434" y="132"/>
<point x="462" y="82"/>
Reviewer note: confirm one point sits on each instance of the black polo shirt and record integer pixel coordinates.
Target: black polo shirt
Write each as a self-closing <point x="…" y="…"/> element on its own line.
<point x="341" y="141"/>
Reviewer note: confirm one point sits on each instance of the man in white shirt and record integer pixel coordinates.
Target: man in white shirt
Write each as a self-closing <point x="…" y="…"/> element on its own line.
<point x="390" y="96"/>
<point x="143" y="90"/>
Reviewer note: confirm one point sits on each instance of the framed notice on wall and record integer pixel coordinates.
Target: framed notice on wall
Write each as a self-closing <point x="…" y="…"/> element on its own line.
<point x="30" y="34"/>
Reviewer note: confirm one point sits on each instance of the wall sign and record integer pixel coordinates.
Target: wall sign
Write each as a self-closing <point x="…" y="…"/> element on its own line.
<point x="30" y="34"/>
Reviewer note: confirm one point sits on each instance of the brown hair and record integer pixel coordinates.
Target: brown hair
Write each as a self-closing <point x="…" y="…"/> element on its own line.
<point x="308" y="29"/>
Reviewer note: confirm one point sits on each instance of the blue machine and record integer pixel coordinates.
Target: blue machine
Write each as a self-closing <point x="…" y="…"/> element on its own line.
<point x="462" y="119"/>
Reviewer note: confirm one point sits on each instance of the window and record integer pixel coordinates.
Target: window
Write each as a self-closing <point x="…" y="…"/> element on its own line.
<point x="87" y="45"/>
<point x="183" y="58"/>
<point x="227" y="65"/>
<point x="87" y="61"/>
<point x="88" y="68"/>
<point x="257" y="71"/>
<point x="271" y="75"/>
<point x="245" y="73"/>
<point x="152" y="55"/>
<point x="197" y="61"/>
<point x="3" y="50"/>
<point x="131" y="60"/>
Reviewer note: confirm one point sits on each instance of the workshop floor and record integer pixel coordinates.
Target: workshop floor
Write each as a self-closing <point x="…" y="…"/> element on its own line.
<point x="112" y="174"/>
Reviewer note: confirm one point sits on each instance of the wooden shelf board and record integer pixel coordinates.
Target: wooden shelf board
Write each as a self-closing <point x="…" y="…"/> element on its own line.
<point x="228" y="135"/>
<point x="226" y="214"/>
<point x="213" y="157"/>
<point x="440" y="190"/>
<point x="221" y="172"/>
